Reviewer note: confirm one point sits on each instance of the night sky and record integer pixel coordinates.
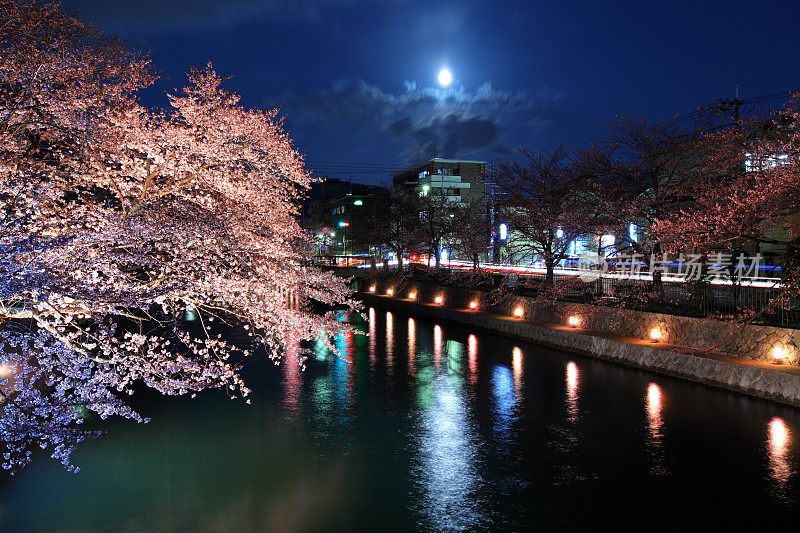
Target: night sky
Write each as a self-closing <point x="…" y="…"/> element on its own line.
<point x="357" y="79"/>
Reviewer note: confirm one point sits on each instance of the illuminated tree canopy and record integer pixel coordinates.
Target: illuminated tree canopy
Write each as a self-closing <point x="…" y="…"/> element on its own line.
<point x="117" y="219"/>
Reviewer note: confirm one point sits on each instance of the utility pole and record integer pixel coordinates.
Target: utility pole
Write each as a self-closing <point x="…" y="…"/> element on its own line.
<point x="731" y="108"/>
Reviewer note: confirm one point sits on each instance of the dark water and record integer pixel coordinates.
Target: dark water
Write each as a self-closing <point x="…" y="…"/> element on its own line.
<point x="430" y="426"/>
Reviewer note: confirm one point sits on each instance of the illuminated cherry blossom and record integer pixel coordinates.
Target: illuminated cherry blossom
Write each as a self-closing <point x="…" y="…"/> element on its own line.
<point x="118" y="220"/>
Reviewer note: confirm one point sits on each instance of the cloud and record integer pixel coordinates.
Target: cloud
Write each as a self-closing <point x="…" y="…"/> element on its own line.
<point x="451" y="134"/>
<point x="457" y="121"/>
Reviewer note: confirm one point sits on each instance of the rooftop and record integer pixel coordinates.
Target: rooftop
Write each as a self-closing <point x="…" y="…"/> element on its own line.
<point x="436" y="160"/>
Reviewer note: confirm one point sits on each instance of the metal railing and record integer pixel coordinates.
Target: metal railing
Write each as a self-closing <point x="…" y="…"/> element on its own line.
<point x="764" y="302"/>
<point x="694" y="298"/>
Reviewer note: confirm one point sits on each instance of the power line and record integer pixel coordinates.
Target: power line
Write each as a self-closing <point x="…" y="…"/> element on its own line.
<point x="321" y="167"/>
<point x="351" y="164"/>
<point x="731" y="107"/>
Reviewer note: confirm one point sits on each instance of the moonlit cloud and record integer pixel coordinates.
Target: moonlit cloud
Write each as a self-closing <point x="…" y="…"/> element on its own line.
<point x="458" y="121"/>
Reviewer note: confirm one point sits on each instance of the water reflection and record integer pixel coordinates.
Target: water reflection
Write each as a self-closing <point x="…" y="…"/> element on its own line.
<point x="506" y="400"/>
<point x="343" y="371"/>
<point x="654" y="420"/>
<point x="372" y="340"/>
<point x="778" y="442"/>
<point x="472" y="351"/>
<point x="291" y="376"/>
<point x="447" y="462"/>
<point x="389" y="341"/>
<point x="437" y="345"/>
<point x="655" y="429"/>
<point x="516" y="364"/>
<point x="433" y="453"/>
<point x="572" y="391"/>
<point x="412" y="344"/>
<point x="455" y="352"/>
<point x="506" y="388"/>
<point x="333" y="394"/>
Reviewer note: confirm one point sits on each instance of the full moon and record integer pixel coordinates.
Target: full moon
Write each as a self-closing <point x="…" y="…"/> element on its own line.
<point x="445" y="77"/>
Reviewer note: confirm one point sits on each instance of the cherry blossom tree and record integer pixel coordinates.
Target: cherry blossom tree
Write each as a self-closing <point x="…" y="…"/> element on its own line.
<point x="117" y="220"/>
<point x="748" y="194"/>
<point x="643" y="171"/>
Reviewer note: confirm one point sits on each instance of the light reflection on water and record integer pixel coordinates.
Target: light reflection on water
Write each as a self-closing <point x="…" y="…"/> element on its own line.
<point x="779" y="440"/>
<point x="655" y="423"/>
<point x="437" y="345"/>
<point x="505" y="397"/>
<point x="291" y="373"/>
<point x="412" y="344"/>
<point x="655" y="429"/>
<point x="472" y="345"/>
<point x="389" y="341"/>
<point x="572" y="391"/>
<point x="373" y="341"/>
<point x="446" y="463"/>
<point x="516" y="364"/>
<point x="333" y="393"/>
<point x="343" y="371"/>
<point x="471" y="432"/>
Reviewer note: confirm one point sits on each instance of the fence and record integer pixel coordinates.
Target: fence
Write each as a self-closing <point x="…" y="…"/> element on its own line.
<point x="764" y="301"/>
<point x="700" y="299"/>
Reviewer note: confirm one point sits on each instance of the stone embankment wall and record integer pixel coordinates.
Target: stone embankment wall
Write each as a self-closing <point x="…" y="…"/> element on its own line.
<point x="753" y="379"/>
<point x="731" y="338"/>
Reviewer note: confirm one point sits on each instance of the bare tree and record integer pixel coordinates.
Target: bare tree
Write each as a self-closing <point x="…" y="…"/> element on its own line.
<point x="437" y="218"/>
<point x="472" y="231"/>
<point x="545" y="203"/>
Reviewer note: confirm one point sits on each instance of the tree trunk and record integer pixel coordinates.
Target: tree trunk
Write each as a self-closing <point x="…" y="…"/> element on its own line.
<point x="658" y="283"/>
<point x="550" y="276"/>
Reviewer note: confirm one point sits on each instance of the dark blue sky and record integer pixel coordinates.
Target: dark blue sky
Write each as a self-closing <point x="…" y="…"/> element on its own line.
<point x="356" y="79"/>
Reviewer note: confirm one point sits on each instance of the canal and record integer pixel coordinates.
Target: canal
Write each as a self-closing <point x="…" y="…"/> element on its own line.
<point x="428" y="426"/>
